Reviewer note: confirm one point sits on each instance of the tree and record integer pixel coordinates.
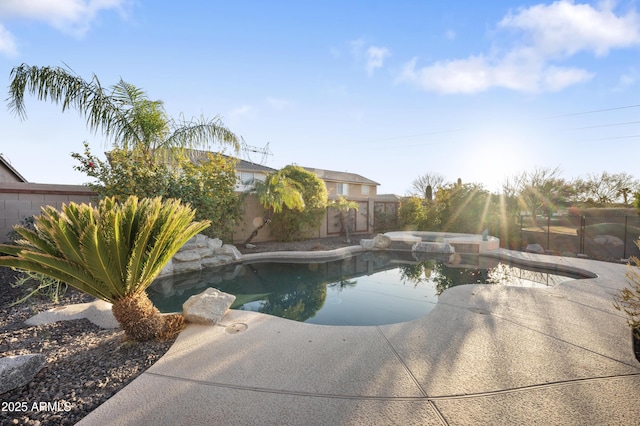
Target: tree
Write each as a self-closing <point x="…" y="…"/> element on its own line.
<point x="204" y="180"/>
<point x="290" y="224"/>
<point x="344" y="208"/>
<point x="113" y="252"/>
<point x="608" y="188"/>
<point x="412" y="215"/>
<point x="123" y="113"/>
<point x="542" y="191"/>
<point x="464" y="208"/>
<point x="420" y="185"/>
<point x="274" y="193"/>
<point x="148" y="154"/>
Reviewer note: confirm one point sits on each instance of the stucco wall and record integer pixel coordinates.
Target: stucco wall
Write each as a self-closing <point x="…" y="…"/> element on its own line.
<point x="20" y="200"/>
<point x="253" y="214"/>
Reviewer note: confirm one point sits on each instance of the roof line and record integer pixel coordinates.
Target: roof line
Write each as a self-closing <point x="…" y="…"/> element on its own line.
<point x="11" y="169"/>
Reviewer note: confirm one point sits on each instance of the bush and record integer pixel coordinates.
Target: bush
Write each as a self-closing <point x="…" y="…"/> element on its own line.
<point x="628" y="299"/>
<point x="291" y="224"/>
<point x="412" y="215"/>
<point x="207" y="184"/>
<point x="36" y="284"/>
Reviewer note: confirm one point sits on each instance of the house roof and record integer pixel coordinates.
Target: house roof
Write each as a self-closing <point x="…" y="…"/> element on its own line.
<point x="334" y="176"/>
<point x="388" y="198"/>
<point x="13" y="171"/>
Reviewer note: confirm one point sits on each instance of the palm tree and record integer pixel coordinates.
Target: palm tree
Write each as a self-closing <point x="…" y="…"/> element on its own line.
<point x="125" y="113"/>
<point x="344" y="207"/>
<point x="275" y="192"/>
<point x="113" y="251"/>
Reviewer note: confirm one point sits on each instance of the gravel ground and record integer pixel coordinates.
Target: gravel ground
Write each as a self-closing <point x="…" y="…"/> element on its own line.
<point x="86" y="365"/>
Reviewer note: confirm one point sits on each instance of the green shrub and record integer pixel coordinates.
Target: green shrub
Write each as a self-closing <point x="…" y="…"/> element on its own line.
<point x="208" y="185"/>
<point x="291" y="224"/>
<point x="628" y="299"/>
<point x="36" y="284"/>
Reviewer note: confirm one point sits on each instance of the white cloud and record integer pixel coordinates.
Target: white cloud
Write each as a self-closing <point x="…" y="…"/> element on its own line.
<point x="564" y="28"/>
<point x="550" y="34"/>
<point x="72" y="16"/>
<point x="372" y="56"/>
<point x="7" y="42"/>
<point x="69" y="16"/>
<point x="375" y="58"/>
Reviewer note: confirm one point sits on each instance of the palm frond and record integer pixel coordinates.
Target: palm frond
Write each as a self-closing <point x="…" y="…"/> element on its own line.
<point x="63" y="87"/>
<point x="199" y="133"/>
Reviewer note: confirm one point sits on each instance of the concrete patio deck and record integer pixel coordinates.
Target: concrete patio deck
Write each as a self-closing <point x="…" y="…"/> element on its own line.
<point x="484" y="355"/>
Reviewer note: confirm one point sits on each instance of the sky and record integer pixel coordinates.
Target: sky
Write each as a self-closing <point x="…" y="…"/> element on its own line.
<point x="390" y="90"/>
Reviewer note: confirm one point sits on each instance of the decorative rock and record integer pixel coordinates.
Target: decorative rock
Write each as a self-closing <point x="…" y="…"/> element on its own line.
<point x="168" y="269"/>
<point x="17" y="371"/>
<point x="180" y="267"/>
<point x="207" y="307"/>
<point x="608" y="240"/>
<point x="201" y="240"/>
<point x="206" y="252"/>
<point x="187" y="256"/>
<point x="229" y="250"/>
<point x="250" y="246"/>
<point x="214" y="243"/>
<point x="535" y="248"/>
<point x="381" y="241"/>
<point x="189" y="245"/>
<point x="433" y="247"/>
<point x="366" y="244"/>
<point x="210" y="262"/>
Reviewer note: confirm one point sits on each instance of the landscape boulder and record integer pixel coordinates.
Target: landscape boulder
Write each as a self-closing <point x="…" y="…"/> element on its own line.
<point x="433" y="247"/>
<point x="207" y="307"/>
<point x="229" y="250"/>
<point x="379" y="242"/>
<point x="535" y="248"/>
<point x="17" y="371"/>
<point x="608" y="240"/>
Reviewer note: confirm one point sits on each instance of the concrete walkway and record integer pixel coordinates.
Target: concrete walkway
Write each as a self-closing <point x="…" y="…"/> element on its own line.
<point x="484" y="355"/>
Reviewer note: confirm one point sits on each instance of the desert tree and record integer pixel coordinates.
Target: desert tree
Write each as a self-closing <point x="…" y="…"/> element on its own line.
<point x="421" y="185"/>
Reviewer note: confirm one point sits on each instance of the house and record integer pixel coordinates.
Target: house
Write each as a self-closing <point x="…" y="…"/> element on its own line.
<point x="8" y="173"/>
<point x="375" y="212"/>
<point x="246" y="171"/>
<point x="372" y="208"/>
<point x="349" y="185"/>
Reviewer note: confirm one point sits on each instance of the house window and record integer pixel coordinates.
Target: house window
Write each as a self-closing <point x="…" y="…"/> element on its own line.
<point x="246" y="178"/>
<point x="343" y="189"/>
<point x="365" y="189"/>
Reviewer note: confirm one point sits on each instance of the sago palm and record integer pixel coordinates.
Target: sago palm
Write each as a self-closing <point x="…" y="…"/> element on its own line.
<point x="112" y="251"/>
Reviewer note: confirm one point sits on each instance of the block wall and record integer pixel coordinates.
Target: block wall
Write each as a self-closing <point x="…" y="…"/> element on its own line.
<point x="20" y="200"/>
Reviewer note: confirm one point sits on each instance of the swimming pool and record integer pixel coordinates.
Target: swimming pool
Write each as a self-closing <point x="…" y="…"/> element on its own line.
<point x="370" y="288"/>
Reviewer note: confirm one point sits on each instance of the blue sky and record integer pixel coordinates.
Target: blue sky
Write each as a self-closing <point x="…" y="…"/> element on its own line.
<point x="390" y="90"/>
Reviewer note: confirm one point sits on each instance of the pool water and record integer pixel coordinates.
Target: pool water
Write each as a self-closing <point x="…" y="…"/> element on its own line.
<point x="371" y="288"/>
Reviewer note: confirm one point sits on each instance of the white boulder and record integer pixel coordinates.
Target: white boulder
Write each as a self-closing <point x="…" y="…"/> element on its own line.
<point x="207" y="307"/>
